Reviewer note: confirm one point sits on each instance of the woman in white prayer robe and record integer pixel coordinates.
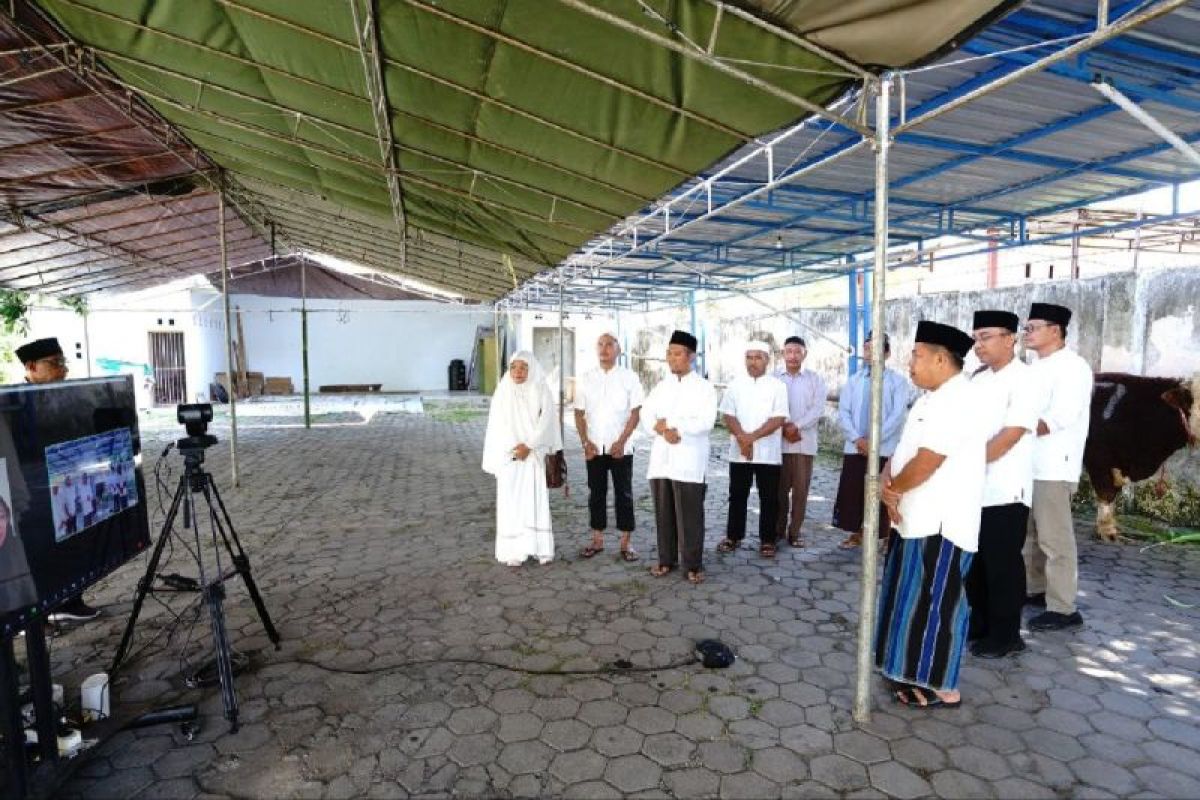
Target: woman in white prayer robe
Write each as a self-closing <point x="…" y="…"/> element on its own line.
<point x="522" y="430"/>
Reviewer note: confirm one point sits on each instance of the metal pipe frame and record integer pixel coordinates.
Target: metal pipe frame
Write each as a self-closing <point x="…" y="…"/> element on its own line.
<point x="366" y="28"/>
<point x="975" y="212"/>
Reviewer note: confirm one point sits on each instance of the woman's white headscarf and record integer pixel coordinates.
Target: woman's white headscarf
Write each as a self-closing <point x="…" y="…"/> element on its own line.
<point x="521" y="413"/>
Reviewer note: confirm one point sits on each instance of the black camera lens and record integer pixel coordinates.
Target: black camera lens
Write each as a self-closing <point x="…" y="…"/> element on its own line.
<point x="191" y="413"/>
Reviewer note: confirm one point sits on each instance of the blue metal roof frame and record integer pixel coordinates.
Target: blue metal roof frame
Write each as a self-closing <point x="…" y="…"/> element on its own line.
<point x="799" y="207"/>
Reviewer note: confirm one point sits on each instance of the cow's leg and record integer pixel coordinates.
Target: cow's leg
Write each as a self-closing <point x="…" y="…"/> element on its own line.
<point x="1106" y="507"/>
<point x="1106" y="521"/>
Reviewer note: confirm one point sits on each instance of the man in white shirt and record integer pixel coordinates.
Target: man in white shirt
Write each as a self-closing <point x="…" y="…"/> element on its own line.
<point x="608" y="402"/>
<point x="854" y="416"/>
<point x="933" y="487"/>
<point x="806" y="403"/>
<point x="1008" y="407"/>
<point x="1065" y="382"/>
<point x="680" y="412"/>
<point x="754" y="407"/>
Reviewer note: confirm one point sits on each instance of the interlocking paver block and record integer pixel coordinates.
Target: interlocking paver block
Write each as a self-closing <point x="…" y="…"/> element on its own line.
<point x="899" y="781"/>
<point x="779" y="765"/>
<point x="632" y="773"/>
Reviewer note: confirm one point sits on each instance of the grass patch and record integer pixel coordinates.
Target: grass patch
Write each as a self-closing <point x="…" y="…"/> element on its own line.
<point x="455" y="414"/>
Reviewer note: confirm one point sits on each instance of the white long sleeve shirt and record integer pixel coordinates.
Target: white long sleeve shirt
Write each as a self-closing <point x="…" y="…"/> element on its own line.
<point x="689" y="405"/>
<point x="806" y="405"/>
<point x="945" y="421"/>
<point x="1009" y="398"/>
<point x="1064" y="381"/>
<point x="753" y="401"/>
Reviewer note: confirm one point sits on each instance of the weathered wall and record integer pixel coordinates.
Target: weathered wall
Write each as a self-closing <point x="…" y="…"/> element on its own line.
<point x="1146" y="323"/>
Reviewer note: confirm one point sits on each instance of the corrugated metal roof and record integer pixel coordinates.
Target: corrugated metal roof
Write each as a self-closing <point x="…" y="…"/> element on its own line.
<point x="1033" y="147"/>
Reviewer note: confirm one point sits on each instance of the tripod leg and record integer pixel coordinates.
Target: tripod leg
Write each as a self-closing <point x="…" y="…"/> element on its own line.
<point x="148" y="579"/>
<point x="213" y="593"/>
<point x="241" y="561"/>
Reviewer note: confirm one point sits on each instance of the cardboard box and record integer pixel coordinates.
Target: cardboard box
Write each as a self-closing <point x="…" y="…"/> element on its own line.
<point x="279" y="386"/>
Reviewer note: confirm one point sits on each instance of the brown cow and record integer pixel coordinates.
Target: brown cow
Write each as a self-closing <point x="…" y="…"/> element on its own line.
<point x="1136" y="424"/>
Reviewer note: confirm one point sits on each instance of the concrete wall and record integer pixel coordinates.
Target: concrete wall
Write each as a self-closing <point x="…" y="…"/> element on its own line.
<point x="405" y="345"/>
<point x="1145" y="323"/>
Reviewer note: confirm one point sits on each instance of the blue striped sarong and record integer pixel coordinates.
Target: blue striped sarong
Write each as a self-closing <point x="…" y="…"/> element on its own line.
<point x="921" y="628"/>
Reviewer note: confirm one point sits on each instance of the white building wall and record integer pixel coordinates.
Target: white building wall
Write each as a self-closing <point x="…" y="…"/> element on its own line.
<point x="404" y="345"/>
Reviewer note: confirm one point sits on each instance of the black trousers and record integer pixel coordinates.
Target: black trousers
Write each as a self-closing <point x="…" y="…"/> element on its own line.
<point x="679" y="519"/>
<point x="766" y="479"/>
<point x="598" y="470"/>
<point x="996" y="583"/>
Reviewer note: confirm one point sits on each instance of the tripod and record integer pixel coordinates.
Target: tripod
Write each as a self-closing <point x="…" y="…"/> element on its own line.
<point x="195" y="480"/>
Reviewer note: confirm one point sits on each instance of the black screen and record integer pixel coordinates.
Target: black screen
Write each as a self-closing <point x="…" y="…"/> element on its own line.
<point x="71" y="482"/>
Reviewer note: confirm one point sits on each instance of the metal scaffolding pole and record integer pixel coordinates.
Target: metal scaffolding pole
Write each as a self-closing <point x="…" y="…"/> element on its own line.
<point x="562" y="361"/>
<point x="870" y="549"/>
<point x="233" y="459"/>
<point x="304" y="340"/>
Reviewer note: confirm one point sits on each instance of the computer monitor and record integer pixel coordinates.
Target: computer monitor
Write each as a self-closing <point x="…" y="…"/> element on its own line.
<point x="72" y="498"/>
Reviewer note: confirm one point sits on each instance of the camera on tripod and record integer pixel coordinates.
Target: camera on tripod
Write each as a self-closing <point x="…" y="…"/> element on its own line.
<point x="195" y="418"/>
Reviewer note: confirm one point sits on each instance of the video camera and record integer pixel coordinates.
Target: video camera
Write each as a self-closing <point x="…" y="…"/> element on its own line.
<point x="195" y="418"/>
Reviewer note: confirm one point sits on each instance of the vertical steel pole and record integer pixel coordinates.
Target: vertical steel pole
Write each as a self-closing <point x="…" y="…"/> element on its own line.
<point x="495" y="348"/>
<point x="852" y="366"/>
<point x="304" y="341"/>
<point x="871" y="521"/>
<point x="87" y="344"/>
<point x="233" y="459"/>
<point x="562" y="361"/>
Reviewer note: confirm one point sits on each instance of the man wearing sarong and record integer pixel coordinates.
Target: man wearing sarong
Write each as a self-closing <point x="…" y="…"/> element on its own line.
<point x="522" y="430"/>
<point x="933" y="488"/>
<point x="854" y="416"/>
<point x="680" y="412"/>
<point x="1008" y="408"/>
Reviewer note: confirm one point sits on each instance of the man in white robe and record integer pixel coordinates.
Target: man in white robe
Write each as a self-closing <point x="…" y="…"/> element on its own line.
<point x="522" y="430"/>
<point x="680" y="412"/>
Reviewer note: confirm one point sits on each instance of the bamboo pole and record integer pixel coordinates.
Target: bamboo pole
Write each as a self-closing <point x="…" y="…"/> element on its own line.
<point x="233" y="456"/>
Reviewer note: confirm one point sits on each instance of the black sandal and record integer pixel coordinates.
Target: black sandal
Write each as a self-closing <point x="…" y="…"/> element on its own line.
<point x="767" y="550"/>
<point x="629" y="554"/>
<point x="727" y="546"/>
<point x="590" y="551"/>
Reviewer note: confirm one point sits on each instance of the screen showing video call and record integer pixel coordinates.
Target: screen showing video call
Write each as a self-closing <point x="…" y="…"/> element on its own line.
<point x="71" y="491"/>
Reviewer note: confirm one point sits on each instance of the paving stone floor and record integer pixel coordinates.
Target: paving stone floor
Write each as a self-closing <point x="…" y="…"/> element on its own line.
<point x="372" y="544"/>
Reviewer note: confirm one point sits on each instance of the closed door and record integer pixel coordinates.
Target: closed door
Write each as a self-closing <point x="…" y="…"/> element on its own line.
<point x="166" y="358"/>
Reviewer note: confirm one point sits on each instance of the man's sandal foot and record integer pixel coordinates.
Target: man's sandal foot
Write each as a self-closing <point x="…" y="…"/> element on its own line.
<point x="727" y="546"/>
<point x="852" y="541"/>
<point x="590" y="551"/>
<point x="629" y="554"/>
<point x="659" y="570"/>
<point x="767" y="551"/>
<point x="695" y="576"/>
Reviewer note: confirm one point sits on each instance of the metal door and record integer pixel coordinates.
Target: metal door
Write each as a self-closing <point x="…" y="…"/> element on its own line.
<point x="170" y="372"/>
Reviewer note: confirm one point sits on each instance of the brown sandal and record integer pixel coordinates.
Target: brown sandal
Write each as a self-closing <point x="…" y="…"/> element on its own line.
<point x="695" y="577"/>
<point x="659" y="570"/>
<point x="590" y="551"/>
<point x="766" y="550"/>
<point x="629" y="554"/>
